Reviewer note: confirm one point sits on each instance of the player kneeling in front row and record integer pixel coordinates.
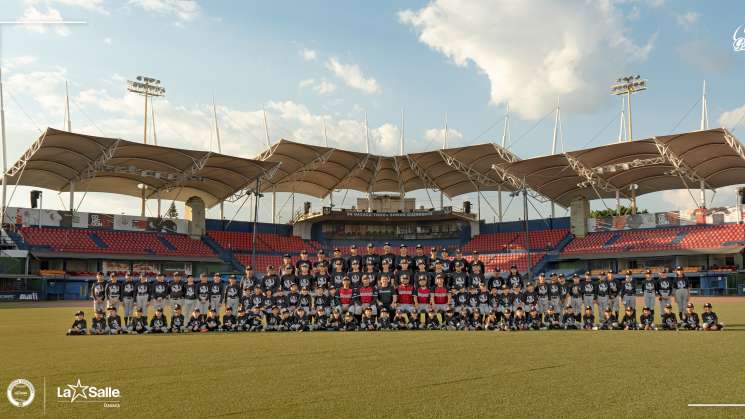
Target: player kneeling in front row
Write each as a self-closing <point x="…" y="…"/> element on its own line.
<point x="646" y="320"/>
<point x="98" y="324"/>
<point x="383" y="322"/>
<point x="669" y="322"/>
<point x="177" y="320"/>
<point x="610" y="321"/>
<point x="569" y="319"/>
<point x="367" y="321"/>
<point x="196" y="321"/>
<point x="588" y="320"/>
<point x="158" y="324"/>
<point x="138" y="323"/>
<point x="710" y="319"/>
<point x="113" y="322"/>
<point x="690" y="319"/>
<point x="212" y="322"/>
<point x="228" y="320"/>
<point x="299" y="320"/>
<point x="534" y="320"/>
<point x="628" y="322"/>
<point x="551" y="319"/>
<point x="79" y="326"/>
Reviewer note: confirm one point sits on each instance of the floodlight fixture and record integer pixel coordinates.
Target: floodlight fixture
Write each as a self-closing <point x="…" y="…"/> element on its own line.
<point x="626" y="86"/>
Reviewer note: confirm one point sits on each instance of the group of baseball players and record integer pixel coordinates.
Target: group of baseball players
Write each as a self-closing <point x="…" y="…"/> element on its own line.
<point x="388" y="292"/>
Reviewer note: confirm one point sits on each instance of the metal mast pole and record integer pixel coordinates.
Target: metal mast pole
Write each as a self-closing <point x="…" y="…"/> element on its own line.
<point x="67" y="107"/>
<point x="5" y="150"/>
<point x="219" y="148"/>
<point x="527" y="233"/>
<point x="505" y="138"/>
<point x="401" y="192"/>
<point x="144" y="135"/>
<point x="367" y="150"/>
<point x="152" y="116"/>
<point x="704" y="109"/>
<point x="553" y="147"/>
<point x="256" y="212"/>
<point x="326" y="144"/>
<point x="274" y="191"/>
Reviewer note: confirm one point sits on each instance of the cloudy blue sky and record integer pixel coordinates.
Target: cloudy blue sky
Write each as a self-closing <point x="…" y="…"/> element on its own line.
<point x="306" y="62"/>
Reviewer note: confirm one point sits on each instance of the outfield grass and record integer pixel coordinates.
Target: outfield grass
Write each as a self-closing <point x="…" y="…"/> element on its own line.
<point x="394" y="374"/>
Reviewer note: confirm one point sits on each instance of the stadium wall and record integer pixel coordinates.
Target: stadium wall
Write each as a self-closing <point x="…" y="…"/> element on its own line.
<point x="518" y="226"/>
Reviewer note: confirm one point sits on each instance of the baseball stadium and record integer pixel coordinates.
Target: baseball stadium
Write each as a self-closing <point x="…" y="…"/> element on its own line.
<point x="472" y="280"/>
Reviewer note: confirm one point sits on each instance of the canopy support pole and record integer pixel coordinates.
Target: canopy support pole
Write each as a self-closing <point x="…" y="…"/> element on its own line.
<point x="292" y="214"/>
<point x="274" y="204"/>
<point x="72" y="197"/>
<point x="256" y="212"/>
<point x="499" y="203"/>
<point x="159" y="203"/>
<point x="527" y="233"/>
<point x="702" y="185"/>
<point x="478" y="204"/>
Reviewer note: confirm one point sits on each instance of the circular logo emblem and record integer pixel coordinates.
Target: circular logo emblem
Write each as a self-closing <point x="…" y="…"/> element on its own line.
<point x="21" y="392"/>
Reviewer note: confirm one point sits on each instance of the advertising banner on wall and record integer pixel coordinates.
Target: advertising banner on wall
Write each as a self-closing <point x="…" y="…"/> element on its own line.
<point x="28" y="217"/>
<point x="718" y="215"/>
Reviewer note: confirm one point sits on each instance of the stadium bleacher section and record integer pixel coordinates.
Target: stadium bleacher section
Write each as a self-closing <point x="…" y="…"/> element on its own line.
<point x="80" y="240"/>
<point x="506" y="241"/>
<point x="659" y="239"/>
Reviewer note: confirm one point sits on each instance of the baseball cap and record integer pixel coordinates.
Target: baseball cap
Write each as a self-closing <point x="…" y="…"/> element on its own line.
<point x="336" y="249"/>
<point x="433" y="248"/>
<point x="160" y="309"/>
<point x="402" y="245"/>
<point x="678" y="268"/>
<point x="270" y="267"/>
<point x="418" y="246"/>
<point x="241" y="310"/>
<point x="249" y="268"/>
<point x="304" y="252"/>
<point x="177" y="307"/>
<point x="320" y="251"/>
<point x="286" y="255"/>
<point x="370" y="245"/>
<point x="196" y="310"/>
<point x="79" y="313"/>
<point x="707" y="305"/>
<point x="647" y="308"/>
<point x="228" y="308"/>
<point x="588" y="307"/>
<point x="690" y="305"/>
<point x="607" y="310"/>
<point x="386" y="244"/>
<point x="648" y="271"/>
<point x="354" y="246"/>
<point x="99" y="311"/>
<point x="668" y="305"/>
<point x="475" y="252"/>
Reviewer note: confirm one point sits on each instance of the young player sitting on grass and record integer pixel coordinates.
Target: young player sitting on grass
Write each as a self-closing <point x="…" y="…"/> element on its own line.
<point x="551" y="320"/>
<point x="588" y="320"/>
<point x="212" y="322"/>
<point x="569" y="319"/>
<point x="177" y="320"/>
<point x="138" y="324"/>
<point x="113" y="322"/>
<point x="367" y="321"/>
<point x="98" y="324"/>
<point x="383" y="321"/>
<point x="629" y="319"/>
<point x="669" y="322"/>
<point x="350" y="324"/>
<point x="335" y="321"/>
<point x="196" y="321"/>
<point x="519" y="321"/>
<point x="158" y="324"/>
<point x="710" y="319"/>
<point x="610" y="322"/>
<point x="534" y="320"/>
<point x="79" y="326"/>
<point x="690" y="320"/>
<point x="228" y="320"/>
<point x="492" y="321"/>
<point x="450" y="321"/>
<point x="646" y="320"/>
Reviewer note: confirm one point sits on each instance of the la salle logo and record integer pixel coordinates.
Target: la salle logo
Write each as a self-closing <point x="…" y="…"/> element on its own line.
<point x="79" y="392"/>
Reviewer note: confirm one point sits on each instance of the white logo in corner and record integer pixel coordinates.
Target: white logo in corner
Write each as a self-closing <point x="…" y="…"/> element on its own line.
<point x="71" y="393"/>
<point x="738" y="39"/>
<point x="21" y="392"/>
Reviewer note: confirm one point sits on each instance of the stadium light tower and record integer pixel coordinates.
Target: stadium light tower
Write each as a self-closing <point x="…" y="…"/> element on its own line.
<point x="146" y="86"/>
<point x="626" y="86"/>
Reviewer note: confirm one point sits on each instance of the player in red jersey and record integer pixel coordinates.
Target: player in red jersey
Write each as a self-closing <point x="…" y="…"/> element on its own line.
<point x="346" y="295"/>
<point x="404" y="298"/>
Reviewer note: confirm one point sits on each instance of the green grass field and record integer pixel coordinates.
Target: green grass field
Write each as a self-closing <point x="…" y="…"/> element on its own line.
<point x="393" y="374"/>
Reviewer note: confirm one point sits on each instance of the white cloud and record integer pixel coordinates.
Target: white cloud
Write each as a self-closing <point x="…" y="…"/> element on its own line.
<point x="533" y="52"/>
<point x="306" y="83"/>
<point x="352" y="76"/>
<point x="46" y="88"/>
<point x="308" y="54"/>
<point x="325" y="87"/>
<point x="107" y="41"/>
<point x="732" y="118"/>
<point x="32" y="14"/>
<point x="184" y="10"/>
<point x="321" y="87"/>
<point x="94" y="5"/>
<point x="438" y="134"/>
<point x="20" y="61"/>
<point x="688" y="19"/>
